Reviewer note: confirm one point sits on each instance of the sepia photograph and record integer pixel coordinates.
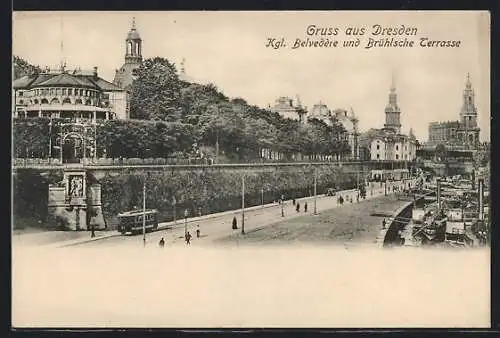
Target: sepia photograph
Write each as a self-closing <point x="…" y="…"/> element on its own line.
<point x="218" y="169"/>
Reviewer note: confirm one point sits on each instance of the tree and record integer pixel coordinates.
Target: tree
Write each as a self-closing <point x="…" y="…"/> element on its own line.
<point x="156" y="91"/>
<point x="21" y="68"/>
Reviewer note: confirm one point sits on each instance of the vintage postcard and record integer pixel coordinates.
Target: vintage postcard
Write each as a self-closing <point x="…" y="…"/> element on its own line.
<point x="251" y="169"/>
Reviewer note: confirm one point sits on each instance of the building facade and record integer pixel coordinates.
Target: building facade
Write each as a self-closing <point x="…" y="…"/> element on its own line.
<point x="345" y="117"/>
<point x="350" y="123"/>
<point x="460" y="134"/>
<point x="388" y="143"/>
<point x="443" y="132"/>
<point x="288" y="109"/>
<point x="393" y="148"/>
<point x="71" y="95"/>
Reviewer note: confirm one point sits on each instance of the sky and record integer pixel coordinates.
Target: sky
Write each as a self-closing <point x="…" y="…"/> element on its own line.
<point x="229" y="50"/>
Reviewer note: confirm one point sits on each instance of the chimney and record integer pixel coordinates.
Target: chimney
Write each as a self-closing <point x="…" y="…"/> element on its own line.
<point x="95" y="72"/>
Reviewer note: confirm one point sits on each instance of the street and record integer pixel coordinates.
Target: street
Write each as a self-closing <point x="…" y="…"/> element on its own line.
<point x="218" y="227"/>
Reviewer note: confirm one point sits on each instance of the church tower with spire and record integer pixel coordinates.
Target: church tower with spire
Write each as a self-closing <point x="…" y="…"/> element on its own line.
<point x="392" y="111"/>
<point x="133" y="58"/>
<point x="468" y="133"/>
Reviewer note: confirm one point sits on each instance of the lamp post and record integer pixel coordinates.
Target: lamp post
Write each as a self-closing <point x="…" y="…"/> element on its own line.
<point x="282" y="205"/>
<point x="315" y="187"/>
<point x="174" y="203"/>
<point x="262" y="197"/>
<point x="144" y="212"/>
<point x="50" y="139"/>
<point x="243" y="204"/>
<point x="185" y="222"/>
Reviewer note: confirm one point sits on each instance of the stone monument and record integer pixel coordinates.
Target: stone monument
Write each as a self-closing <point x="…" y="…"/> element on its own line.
<point x="74" y="204"/>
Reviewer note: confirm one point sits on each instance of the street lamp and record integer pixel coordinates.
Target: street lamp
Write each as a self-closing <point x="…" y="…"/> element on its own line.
<point x="144" y="212"/>
<point x="243" y="204"/>
<point x="315" y="187"/>
<point x="174" y="203"/>
<point x="282" y="205"/>
<point x="185" y="222"/>
<point x="50" y="138"/>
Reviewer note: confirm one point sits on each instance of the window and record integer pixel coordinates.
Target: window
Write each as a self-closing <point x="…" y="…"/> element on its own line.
<point x="397" y="157"/>
<point x="21" y="102"/>
<point x="378" y="147"/>
<point x="70" y="91"/>
<point x="397" y="148"/>
<point x="52" y="91"/>
<point x="21" y="93"/>
<point x="64" y="91"/>
<point x="378" y="156"/>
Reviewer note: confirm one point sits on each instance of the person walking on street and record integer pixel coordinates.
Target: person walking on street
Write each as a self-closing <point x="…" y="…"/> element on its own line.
<point x="383" y="224"/>
<point x="188" y="238"/>
<point x="235" y="223"/>
<point x="298" y="207"/>
<point x="305" y="207"/>
<point x="92" y="231"/>
<point x="293" y="201"/>
<point x="198" y="231"/>
<point x="162" y="242"/>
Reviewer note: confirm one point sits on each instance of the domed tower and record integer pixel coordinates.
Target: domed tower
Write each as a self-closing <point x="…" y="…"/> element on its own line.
<point x="392" y="111"/>
<point x="133" y="58"/>
<point x="133" y="46"/>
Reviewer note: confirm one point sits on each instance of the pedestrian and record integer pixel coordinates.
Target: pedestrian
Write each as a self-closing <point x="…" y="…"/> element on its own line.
<point x="357" y="198"/>
<point x="305" y="207"/>
<point x="235" y="223"/>
<point x="293" y="201"/>
<point x="383" y="224"/>
<point x="92" y="230"/>
<point x="298" y="207"/>
<point x="162" y="242"/>
<point x="198" y="231"/>
<point x="188" y="238"/>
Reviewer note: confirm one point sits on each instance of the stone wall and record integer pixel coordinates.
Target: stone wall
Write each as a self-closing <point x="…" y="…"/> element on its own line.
<point x="200" y="190"/>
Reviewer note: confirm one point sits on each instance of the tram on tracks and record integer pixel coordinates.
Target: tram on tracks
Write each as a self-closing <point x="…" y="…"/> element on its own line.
<point x="131" y="222"/>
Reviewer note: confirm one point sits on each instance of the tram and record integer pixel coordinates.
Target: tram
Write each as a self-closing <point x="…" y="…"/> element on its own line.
<point x="131" y="222"/>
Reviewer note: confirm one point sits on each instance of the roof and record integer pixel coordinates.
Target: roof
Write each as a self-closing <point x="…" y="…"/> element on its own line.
<point x="66" y="80"/>
<point x="137" y="212"/>
<point x="123" y="76"/>
<point x="106" y="85"/>
<point x="133" y="34"/>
